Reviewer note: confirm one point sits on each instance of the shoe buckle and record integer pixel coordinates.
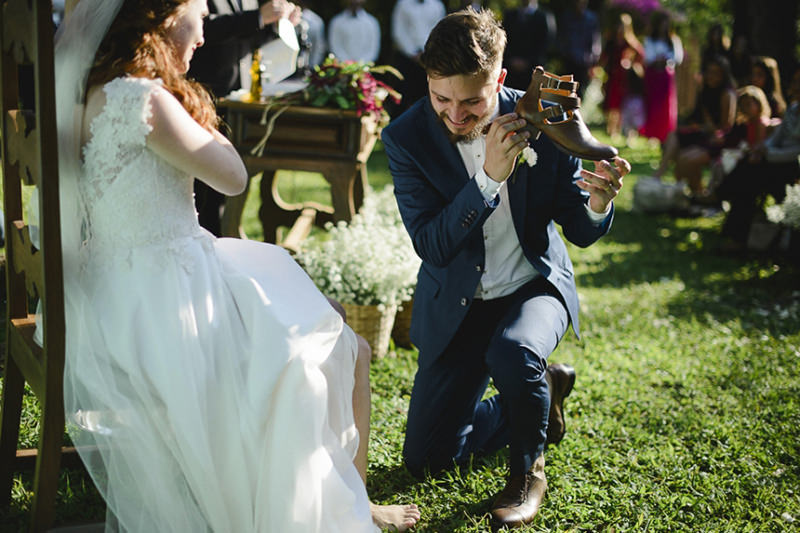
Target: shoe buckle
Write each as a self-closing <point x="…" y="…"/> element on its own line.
<point x="559" y="85"/>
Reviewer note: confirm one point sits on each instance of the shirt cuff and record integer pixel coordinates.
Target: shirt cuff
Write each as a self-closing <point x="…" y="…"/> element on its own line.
<point x="597" y="218"/>
<point x="488" y="187"/>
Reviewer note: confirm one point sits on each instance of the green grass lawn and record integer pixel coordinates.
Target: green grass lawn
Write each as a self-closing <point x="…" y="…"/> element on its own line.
<point x="686" y="411"/>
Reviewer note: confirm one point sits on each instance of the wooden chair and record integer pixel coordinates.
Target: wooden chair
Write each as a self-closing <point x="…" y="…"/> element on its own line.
<point x="33" y="275"/>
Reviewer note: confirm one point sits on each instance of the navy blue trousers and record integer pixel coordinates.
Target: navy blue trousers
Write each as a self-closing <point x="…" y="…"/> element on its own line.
<point x="507" y="339"/>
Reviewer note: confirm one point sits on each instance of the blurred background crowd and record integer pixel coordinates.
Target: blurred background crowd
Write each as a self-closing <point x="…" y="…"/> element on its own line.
<point x="711" y="81"/>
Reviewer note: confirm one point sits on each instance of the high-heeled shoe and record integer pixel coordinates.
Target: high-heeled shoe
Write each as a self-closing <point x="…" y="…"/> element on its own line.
<point x="569" y="134"/>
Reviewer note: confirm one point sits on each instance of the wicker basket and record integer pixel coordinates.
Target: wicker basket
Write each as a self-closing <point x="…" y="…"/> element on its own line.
<point x="402" y="325"/>
<point x="374" y="325"/>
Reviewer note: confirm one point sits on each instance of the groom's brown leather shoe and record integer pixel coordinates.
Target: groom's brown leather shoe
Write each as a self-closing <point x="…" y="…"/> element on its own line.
<point x="570" y="134"/>
<point x="560" y="380"/>
<point x="518" y="503"/>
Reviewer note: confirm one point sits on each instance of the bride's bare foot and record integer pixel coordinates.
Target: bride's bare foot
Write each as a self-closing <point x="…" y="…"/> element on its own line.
<point x="394" y="517"/>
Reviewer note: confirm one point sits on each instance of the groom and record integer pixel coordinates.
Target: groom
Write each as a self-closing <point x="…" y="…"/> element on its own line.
<point x="496" y="290"/>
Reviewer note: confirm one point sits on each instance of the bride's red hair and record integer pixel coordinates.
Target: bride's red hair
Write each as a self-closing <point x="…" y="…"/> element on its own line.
<point x="135" y="45"/>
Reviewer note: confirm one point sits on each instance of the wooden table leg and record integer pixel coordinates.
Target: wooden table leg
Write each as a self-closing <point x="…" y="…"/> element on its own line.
<point x="344" y="183"/>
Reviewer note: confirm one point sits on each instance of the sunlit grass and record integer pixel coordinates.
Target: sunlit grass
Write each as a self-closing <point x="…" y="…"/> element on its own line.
<point x="686" y="410"/>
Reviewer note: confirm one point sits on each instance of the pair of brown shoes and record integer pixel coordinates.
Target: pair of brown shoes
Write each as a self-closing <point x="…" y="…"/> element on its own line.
<point x="562" y="121"/>
<point x="518" y="503"/>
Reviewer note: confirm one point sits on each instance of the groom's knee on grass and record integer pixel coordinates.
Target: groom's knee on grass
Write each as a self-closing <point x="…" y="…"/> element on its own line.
<point x="420" y="462"/>
<point x="417" y="467"/>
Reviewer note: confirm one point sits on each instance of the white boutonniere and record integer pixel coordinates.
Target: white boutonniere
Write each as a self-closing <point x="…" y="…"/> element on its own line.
<point x="528" y="156"/>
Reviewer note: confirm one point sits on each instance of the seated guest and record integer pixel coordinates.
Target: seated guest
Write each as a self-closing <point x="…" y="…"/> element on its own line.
<point x="765" y="75"/>
<point x="695" y="144"/>
<point x="753" y="123"/>
<point x="766" y="170"/>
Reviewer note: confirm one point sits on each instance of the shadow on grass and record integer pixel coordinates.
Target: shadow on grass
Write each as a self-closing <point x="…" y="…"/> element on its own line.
<point x="646" y="248"/>
<point x="384" y="482"/>
<point x="457" y="497"/>
<point x="77" y="501"/>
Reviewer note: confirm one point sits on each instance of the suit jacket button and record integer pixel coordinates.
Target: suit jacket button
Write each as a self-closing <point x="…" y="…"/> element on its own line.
<point x="463" y="301"/>
<point x="478" y="268"/>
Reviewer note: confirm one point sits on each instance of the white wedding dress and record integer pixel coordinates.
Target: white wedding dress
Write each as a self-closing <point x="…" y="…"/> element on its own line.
<point x="209" y="379"/>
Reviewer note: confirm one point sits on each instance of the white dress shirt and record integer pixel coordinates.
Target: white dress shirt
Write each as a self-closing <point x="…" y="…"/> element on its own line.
<point x="355" y="37"/>
<point x="655" y="49"/>
<point x="506" y="268"/>
<point x="412" y="21"/>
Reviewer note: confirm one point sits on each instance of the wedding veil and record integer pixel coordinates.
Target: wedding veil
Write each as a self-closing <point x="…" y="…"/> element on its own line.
<point x="76" y="44"/>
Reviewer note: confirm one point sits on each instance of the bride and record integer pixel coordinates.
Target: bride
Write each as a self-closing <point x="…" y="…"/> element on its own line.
<point x="208" y="385"/>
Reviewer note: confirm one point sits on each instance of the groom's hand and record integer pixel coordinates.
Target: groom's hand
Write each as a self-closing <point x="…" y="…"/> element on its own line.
<point x="604" y="184"/>
<point x="503" y="144"/>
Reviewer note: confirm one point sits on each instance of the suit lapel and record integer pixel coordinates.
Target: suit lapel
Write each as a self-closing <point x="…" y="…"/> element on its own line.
<point x="518" y="182"/>
<point x="449" y="173"/>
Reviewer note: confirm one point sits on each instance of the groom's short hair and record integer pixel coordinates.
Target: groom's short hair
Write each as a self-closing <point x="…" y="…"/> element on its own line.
<point x="466" y="42"/>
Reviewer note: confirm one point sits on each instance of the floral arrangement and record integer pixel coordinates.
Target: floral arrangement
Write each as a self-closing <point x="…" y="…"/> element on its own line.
<point x="348" y="85"/>
<point x="787" y="212"/>
<point x="369" y="261"/>
<point x="339" y="84"/>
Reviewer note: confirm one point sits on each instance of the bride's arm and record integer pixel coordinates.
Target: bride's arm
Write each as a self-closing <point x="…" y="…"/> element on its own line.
<point x="180" y="140"/>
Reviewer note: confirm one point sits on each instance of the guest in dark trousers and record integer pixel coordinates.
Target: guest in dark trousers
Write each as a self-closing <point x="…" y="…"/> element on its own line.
<point x="531" y="34"/>
<point x="579" y="42"/>
<point x="412" y="20"/>
<point x="767" y="170"/>
<point x="496" y="289"/>
<point x="233" y="29"/>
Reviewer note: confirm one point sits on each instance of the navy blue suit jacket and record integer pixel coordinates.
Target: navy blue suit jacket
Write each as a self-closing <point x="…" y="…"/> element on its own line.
<point x="444" y="211"/>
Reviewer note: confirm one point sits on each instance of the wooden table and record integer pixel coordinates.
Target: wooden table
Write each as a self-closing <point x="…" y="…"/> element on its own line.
<point x="333" y="142"/>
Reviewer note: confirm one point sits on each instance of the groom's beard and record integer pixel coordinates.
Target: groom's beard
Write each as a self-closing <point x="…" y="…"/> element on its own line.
<point x="477" y="130"/>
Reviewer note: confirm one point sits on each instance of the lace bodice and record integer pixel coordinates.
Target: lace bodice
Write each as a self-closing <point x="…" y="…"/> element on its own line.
<point x="132" y="196"/>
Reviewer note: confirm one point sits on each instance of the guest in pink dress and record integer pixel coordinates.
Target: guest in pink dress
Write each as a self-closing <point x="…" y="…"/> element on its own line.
<point x="621" y="58"/>
<point x="663" y="51"/>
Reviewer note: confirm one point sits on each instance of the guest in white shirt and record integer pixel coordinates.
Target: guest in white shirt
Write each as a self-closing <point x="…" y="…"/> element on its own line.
<point x="412" y="21"/>
<point x="354" y="34"/>
<point x="311" y="33"/>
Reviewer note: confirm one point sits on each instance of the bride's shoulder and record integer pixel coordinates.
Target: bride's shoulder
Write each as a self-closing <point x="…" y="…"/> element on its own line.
<point x="123" y="88"/>
<point x="124" y="101"/>
<point x="132" y="85"/>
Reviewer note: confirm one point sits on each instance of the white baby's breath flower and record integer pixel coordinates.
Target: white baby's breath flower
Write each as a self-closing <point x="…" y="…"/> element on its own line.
<point x="369" y="261"/>
<point x="528" y="156"/>
<point x="788" y="211"/>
